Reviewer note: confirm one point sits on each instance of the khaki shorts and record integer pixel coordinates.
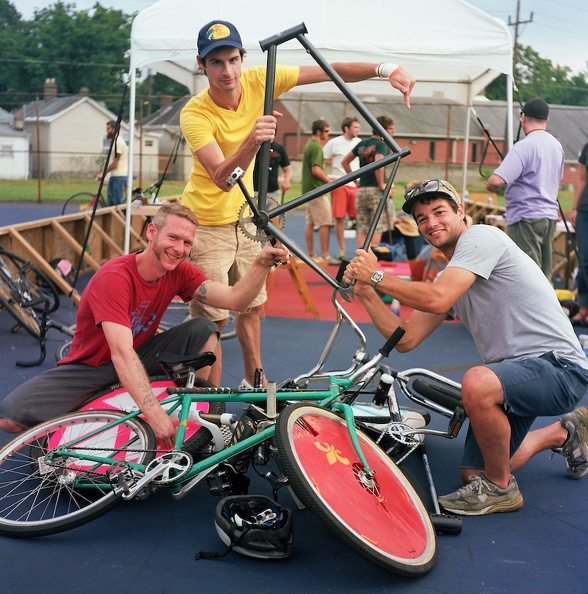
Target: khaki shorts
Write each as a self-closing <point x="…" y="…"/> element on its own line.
<point x="225" y="255"/>
<point x="318" y="211"/>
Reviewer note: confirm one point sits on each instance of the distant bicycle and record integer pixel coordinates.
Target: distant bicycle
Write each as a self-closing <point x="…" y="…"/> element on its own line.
<point x="29" y="296"/>
<point x="85" y="201"/>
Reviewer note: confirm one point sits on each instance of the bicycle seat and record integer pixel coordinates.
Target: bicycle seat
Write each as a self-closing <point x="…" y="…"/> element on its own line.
<point x="178" y="366"/>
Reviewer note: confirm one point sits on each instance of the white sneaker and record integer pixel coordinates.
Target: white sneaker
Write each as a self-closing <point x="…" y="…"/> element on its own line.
<point x="245" y="385"/>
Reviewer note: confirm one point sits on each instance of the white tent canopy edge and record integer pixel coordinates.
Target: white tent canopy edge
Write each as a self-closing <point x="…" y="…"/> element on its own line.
<point x="453" y="49"/>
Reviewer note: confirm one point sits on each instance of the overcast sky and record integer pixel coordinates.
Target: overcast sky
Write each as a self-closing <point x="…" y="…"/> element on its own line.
<point x="557" y="32"/>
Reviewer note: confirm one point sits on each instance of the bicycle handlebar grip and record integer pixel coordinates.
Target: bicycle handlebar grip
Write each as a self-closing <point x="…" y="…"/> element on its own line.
<point x="392" y="341"/>
<point x="341" y="271"/>
<point x="283" y="36"/>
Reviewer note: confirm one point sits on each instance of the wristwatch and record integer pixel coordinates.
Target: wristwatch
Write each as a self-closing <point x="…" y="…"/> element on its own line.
<point x="376" y="278"/>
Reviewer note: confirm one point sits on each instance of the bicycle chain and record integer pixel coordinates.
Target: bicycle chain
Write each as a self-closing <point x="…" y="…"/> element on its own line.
<point x="405" y="440"/>
<point x="123" y="465"/>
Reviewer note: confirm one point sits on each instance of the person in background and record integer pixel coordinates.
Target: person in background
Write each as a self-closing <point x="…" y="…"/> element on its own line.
<point x="532" y="171"/>
<point x="224" y="126"/>
<point x="343" y="198"/>
<point x="318" y="211"/>
<point x="579" y="221"/>
<point x="532" y="362"/>
<point x="278" y="160"/>
<point x="372" y="185"/>
<point x="118" y="167"/>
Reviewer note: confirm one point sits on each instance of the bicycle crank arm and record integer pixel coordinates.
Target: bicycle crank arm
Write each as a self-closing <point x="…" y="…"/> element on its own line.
<point x="181" y="493"/>
<point x="130" y="491"/>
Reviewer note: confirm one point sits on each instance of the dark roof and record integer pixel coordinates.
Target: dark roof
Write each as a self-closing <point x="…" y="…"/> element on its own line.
<point x="427" y="118"/>
<point x="50" y="107"/>
<point x="168" y="116"/>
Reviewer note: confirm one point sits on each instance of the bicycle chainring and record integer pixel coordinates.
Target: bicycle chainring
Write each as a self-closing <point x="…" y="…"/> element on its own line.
<point x="246" y="223"/>
<point x="172" y="466"/>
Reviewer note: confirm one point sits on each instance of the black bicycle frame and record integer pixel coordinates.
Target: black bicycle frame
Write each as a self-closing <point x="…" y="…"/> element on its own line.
<point x="263" y="218"/>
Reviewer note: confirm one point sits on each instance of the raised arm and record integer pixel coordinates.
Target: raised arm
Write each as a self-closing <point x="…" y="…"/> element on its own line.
<point x="351" y="72"/>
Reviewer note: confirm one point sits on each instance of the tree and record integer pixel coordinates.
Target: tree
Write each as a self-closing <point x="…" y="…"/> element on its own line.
<point x="538" y="77"/>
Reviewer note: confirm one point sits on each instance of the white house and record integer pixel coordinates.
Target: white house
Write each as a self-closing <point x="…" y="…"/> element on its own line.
<point x="14" y="148"/>
<point x="68" y="138"/>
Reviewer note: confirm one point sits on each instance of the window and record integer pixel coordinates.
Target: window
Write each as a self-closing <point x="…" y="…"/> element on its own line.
<point x="7" y="151"/>
<point x="432" y="150"/>
<point x="474" y="152"/>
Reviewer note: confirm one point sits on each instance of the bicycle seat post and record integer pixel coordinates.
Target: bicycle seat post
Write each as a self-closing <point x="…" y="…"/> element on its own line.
<point x="271" y="400"/>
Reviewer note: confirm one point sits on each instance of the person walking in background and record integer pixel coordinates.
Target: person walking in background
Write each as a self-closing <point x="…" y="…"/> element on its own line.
<point x="118" y="167"/>
<point x="371" y="185"/>
<point x="579" y="220"/>
<point x="532" y="171"/>
<point x="318" y="211"/>
<point x="343" y="198"/>
<point x="278" y="160"/>
<point x="224" y="126"/>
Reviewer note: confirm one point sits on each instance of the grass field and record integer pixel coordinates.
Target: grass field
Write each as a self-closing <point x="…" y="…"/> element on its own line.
<point x="54" y="190"/>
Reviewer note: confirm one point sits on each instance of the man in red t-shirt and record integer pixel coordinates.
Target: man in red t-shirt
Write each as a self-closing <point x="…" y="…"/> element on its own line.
<point x="116" y="336"/>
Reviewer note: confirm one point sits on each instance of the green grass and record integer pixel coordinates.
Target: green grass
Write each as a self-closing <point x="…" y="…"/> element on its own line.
<point x="55" y="190"/>
<point x="59" y="190"/>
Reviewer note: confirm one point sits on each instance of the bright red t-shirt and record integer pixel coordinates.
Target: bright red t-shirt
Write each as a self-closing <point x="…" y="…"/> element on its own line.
<point x="118" y="293"/>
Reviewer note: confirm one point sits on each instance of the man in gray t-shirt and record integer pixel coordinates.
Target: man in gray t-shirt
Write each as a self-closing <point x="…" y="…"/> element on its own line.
<point x="532" y="361"/>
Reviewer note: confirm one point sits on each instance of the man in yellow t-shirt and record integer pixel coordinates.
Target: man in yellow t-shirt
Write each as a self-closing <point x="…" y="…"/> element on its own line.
<point x="224" y="127"/>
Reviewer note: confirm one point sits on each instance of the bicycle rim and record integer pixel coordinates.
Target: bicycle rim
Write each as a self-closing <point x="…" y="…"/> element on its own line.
<point x="382" y="519"/>
<point x="77" y="203"/>
<point x="42" y="495"/>
<point x="25" y="317"/>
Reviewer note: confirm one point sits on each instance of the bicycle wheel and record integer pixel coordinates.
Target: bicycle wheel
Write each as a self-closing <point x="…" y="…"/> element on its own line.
<point x="380" y="517"/>
<point x="63" y="351"/>
<point x="229" y="331"/>
<point x="81" y="202"/>
<point x="42" y="494"/>
<point x="25" y="317"/>
<point x="33" y="286"/>
<point x="116" y="397"/>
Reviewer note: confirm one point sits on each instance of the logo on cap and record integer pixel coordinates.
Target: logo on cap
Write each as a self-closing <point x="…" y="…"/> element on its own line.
<point x="217" y="31"/>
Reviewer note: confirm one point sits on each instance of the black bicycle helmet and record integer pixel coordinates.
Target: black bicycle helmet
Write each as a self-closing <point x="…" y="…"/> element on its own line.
<point x="255" y="526"/>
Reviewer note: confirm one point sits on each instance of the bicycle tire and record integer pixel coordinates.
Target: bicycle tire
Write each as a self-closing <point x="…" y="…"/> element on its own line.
<point x="383" y="520"/>
<point x="26" y="319"/>
<point x="120" y="399"/>
<point x="81" y="202"/>
<point x="229" y="331"/>
<point x="39" y="497"/>
<point x="33" y="285"/>
<point x="63" y="351"/>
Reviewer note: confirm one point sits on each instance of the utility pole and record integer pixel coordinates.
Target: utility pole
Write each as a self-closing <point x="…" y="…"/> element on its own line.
<point x="516" y="25"/>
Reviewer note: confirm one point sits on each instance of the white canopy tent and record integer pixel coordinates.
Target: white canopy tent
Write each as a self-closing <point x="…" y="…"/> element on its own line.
<point x="453" y="49"/>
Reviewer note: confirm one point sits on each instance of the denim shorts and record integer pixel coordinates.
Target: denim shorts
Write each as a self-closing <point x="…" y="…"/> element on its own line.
<point x="543" y="386"/>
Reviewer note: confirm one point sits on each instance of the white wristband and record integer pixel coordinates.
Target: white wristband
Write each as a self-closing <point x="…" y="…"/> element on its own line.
<point x="386" y="69"/>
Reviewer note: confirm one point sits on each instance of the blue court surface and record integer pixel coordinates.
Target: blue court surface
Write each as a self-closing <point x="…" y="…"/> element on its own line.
<point x="149" y="546"/>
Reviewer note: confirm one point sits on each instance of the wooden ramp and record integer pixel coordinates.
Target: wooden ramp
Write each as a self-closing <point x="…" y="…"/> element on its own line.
<point x="44" y="240"/>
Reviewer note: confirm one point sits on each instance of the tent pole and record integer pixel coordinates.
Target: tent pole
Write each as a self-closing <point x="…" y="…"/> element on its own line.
<point x="466" y="142"/>
<point x="509" y="116"/>
<point x="132" y="99"/>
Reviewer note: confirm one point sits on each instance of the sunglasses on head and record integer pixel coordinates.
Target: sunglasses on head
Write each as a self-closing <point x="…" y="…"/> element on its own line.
<point x="430" y="185"/>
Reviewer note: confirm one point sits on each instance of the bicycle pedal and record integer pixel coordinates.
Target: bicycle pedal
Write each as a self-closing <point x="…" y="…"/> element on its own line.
<point x="456" y="421"/>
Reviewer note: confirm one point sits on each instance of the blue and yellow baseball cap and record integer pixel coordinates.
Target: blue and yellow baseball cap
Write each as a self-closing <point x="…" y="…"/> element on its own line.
<point x="218" y="34"/>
